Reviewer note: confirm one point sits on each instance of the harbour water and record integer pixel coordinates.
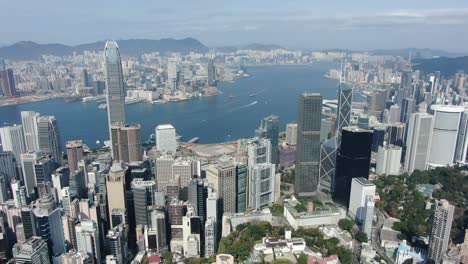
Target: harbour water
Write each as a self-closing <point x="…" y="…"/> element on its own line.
<point x="234" y="114"/>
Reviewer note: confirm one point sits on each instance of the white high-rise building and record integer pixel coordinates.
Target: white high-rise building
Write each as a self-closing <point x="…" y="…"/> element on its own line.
<point x="12" y="139"/>
<point x="29" y="122"/>
<point x="361" y="188"/>
<point x="259" y="151"/>
<point x="87" y="237"/>
<point x="166" y="138"/>
<point x="291" y="134"/>
<point x="394" y="114"/>
<point x="164" y="171"/>
<point x="183" y="169"/>
<point x="366" y="226"/>
<point x="417" y="142"/>
<point x="261" y="185"/>
<point x="441" y="227"/>
<point x="388" y="160"/>
<point x="445" y="133"/>
<point x="210" y="237"/>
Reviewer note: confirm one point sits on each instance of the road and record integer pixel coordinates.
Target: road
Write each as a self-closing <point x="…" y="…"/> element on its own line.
<point x="376" y="236"/>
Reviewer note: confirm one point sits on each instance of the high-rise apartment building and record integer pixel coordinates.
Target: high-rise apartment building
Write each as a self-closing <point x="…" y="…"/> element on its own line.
<point x="126" y="142"/>
<point x="29" y="121"/>
<point x="74" y="154"/>
<point x="49" y="137"/>
<point x="166" y="138"/>
<point x="440" y="233"/>
<point x="308" y="144"/>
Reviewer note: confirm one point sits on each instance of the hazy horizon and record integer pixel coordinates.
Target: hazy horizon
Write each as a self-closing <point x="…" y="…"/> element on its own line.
<point x="359" y="25"/>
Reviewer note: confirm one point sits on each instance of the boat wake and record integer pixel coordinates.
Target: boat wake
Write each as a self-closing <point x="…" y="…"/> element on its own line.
<point x="235" y="109"/>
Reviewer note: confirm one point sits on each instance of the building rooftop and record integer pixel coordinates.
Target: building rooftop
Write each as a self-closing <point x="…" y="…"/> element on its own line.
<point x="165" y="126"/>
<point x="363" y="181"/>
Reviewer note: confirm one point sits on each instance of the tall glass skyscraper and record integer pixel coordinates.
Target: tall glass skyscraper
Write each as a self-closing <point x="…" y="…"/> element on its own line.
<point x="115" y="94"/>
<point x="345" y="99"/>
<point x="269" y="128"/>
<point x="308" y="144"/>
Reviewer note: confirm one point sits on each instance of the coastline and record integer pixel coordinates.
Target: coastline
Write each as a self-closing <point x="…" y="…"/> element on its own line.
<point x="31" y="99"/>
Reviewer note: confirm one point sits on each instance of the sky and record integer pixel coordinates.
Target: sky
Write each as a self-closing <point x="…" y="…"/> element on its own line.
<point x="313" y="24"/>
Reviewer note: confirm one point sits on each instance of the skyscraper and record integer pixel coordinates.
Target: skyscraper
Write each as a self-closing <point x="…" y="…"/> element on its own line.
<point x="227" y="184"/>
<point x="29" y="121"/>
<point x="49" y="137"/>
<point x="308" y="144"/>
<point x="269" y="128"/>
<point x="259" y="151"/>
<point x="143" y="196"/>
<point x="394" y="114"/>
<point x="417" y="142"/>
<point x="211" y="73"/>
<point x="328" y="152"/>
<point x="376" y="103"/>
<point x="74" y="154"/>
<point x="116" y="188"/>
<point x="241" y="187"/>
<point x="37" y="169"/>
<point x="345" y="100"/>
<point x="360" y="189"/>
<point x="291" y="134"/>
<point x="197" y="194"/>
<point x="12" y="139"/>
<point x="444" y="135"/>
<point x="115" y="94"/>
<point x="7" y="81"/>
<point x="408" y="106"/>
<point x="462" y="140"/>
<point x="33" y="251"/>
<point x="47" y="217"/>
<point x="261" y="185"/>
<point x="388" y="160"/>
<point x="440" y="233"/>
<point x="166" y="138"/>
<point x="353" y="161"/>
<point x="126" y="142"/>
<point x="396" y="134"/>
<point x="8" y="165"/>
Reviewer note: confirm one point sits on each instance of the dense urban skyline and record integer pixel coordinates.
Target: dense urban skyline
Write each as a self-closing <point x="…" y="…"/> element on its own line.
<point x="358" y="25"/>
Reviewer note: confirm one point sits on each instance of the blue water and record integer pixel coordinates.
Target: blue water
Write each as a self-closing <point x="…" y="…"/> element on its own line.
<point x="213" y="119"/>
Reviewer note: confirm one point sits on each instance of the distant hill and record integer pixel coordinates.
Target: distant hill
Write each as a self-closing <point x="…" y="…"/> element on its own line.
<point x="28" y="50"/>
<point x="446" y="66"/>
<point x="263" y="47"/>
<point x="417" y="53"/>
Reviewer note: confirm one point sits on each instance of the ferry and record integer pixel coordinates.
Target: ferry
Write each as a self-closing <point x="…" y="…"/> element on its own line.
<point x="93" y="98"/>
<point x="132" y="100"/>
<point x="102" y="106"/>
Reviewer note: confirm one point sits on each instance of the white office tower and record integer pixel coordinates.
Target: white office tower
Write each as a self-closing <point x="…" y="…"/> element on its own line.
<point x="33" y="251"/>
<point x="29" y="122"/>
<point x="166" y="138"/>
<point x="417" y="142"/>
<point x="163" y="171"/>
<point x="366" y="226"/>
<point x="360" y="189"/>
<point x="87" y="239"/>
<point x="261" y="185"/>
<point x="212" y="204"/>
<point x="210" y="237"/>
<point x="394" y="114"/>
<point x="291" y="134"/>
<point x="12" y="139"/>
<point x="388" y="160"/>
<point x="36" y="168"/>
<point x="440" y="234"/>
<point x="191" y="233"/>
<point x="445" y="133"/>
<point x="258" y="151"/>
<point x="183" y="169"/>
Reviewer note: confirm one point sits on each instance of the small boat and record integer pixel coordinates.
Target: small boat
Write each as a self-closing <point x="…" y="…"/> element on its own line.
<point x="252" y="95"/>
<point x="231" y="96"/>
